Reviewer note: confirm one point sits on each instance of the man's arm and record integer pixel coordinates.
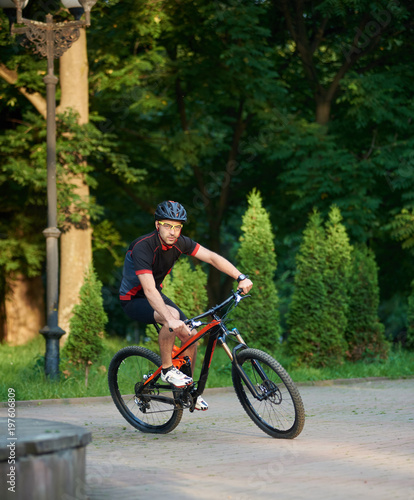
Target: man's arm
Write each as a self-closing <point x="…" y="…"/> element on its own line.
<point x="154" y="298"/>
<point x="223" y="265"/>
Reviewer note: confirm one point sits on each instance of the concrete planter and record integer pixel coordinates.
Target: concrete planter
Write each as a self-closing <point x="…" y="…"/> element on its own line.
<point x="42" y="460"/>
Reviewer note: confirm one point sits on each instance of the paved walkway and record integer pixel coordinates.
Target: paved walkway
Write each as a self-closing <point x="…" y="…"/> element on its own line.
<point x="358" y="443"/>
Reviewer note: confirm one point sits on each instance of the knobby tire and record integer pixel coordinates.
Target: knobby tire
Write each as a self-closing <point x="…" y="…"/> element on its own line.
<point x="281" y="413"/>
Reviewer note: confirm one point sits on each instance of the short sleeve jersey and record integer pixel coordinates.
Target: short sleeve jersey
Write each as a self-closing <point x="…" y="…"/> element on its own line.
<point x="148" y="254"/>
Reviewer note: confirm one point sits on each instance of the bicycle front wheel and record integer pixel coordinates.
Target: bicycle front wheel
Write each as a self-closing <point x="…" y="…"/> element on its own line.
<point x="277" y="407"/>
<point x="152" y="409"/>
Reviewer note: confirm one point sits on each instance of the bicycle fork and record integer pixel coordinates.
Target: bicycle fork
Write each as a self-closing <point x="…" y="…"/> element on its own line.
<point x="233" y="358"/>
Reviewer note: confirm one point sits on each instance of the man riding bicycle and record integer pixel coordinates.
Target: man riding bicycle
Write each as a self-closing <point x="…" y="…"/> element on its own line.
<point x="148" y="260"/>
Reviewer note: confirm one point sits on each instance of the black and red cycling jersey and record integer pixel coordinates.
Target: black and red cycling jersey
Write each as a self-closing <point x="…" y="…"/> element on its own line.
<point x="147" y="254"/>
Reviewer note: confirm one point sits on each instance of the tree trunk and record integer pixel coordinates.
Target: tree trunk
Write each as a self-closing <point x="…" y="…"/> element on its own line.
<point x="75" y="242"/>
<point x="323" y="110"/>
<point x="298" y="25"/>
<point x="73" y="76"/>
<point x="86" y="375"/>
<point x="23" y="308"/>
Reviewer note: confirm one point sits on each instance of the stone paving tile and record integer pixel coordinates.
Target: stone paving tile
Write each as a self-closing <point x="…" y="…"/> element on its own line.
<point x="358" y="443"/>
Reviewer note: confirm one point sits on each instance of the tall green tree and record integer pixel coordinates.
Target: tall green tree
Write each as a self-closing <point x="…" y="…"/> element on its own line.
<point x="258" y="319"/>
<point x="337" y="272"/>
<point x="364" y="332"/>
<point x="306" y="319"/>
<point x="317" y="316"/>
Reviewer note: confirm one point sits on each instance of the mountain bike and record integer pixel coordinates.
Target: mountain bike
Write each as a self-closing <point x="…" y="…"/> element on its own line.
<point x="264" y="388"/>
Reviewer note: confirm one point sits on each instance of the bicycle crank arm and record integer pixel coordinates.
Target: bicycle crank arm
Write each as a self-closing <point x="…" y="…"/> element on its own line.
<point x="160" y="399"/>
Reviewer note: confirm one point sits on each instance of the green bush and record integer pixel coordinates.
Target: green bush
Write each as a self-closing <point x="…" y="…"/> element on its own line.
<point x="258" y="319"/>
<point x="364" y="333"/>
<point x="84" y="345"/>
<point x="317" y="315"/>
<point x="186" y="287"/>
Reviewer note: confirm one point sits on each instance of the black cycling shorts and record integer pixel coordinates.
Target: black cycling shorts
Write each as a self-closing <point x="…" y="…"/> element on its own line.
<point x="140" y="309"/>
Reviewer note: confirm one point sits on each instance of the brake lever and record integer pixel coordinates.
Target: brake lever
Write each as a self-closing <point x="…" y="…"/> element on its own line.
<point x="244" y="296"/>
<point x="239" y="296"/>
<point x="193" y="324"/>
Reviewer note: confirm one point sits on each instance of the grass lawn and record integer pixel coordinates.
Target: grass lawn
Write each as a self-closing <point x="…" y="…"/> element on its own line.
<point x="22" y="370"/>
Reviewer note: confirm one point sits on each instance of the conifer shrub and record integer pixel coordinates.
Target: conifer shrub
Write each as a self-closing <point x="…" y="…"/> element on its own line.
<point x="317" y="315"/>
<point x="337" y="272"/>
<point x="365" y="333"/>
<point x="409" y="342"/>
<point x="306" y="315"/>
<point x="85" y="345"/>
<point x="258" y="318"/>
<point x="186" y="287"/>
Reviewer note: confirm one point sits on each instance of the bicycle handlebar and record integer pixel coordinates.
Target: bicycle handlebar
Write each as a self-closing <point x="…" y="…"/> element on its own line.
<point x="236" y="296"/>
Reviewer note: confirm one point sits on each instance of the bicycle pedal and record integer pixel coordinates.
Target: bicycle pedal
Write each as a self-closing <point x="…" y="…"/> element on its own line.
<point x="192" y="406"/>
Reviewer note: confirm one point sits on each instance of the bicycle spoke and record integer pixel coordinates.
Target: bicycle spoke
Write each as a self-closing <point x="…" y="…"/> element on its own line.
<point x="278" y="414"/>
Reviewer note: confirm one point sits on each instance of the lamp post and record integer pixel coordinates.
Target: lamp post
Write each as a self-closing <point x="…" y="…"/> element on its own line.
<point x="51" y="40"/>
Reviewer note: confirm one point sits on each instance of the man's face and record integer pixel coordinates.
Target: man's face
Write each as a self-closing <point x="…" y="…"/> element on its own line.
<point x="169" y="230"/>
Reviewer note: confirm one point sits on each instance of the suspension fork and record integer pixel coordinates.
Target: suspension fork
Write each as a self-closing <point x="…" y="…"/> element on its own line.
<point x="233" y="357"/>
<point x="255" y="363"/>
<point x="222" y="340"/>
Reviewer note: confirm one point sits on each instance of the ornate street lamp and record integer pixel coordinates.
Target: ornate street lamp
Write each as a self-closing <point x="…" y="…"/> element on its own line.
<point x="51" y="40"/>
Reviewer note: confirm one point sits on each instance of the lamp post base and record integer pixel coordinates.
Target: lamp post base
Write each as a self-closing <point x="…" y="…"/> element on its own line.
<point x="52" y="336"/>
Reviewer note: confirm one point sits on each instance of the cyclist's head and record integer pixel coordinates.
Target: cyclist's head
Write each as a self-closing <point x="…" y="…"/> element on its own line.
<point x="170" y="210"/>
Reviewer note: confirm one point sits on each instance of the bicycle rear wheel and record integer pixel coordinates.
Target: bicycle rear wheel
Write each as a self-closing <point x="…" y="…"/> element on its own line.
<point x="279" y="412"/>
<point x="152" y="410"/>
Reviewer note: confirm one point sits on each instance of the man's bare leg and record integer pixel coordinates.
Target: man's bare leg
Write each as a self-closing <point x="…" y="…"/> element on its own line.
<point x="191" y="351"/>
<point x="166" y="341"/>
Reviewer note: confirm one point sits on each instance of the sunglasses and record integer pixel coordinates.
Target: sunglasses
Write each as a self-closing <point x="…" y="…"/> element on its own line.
<point x="171" y="226"/>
